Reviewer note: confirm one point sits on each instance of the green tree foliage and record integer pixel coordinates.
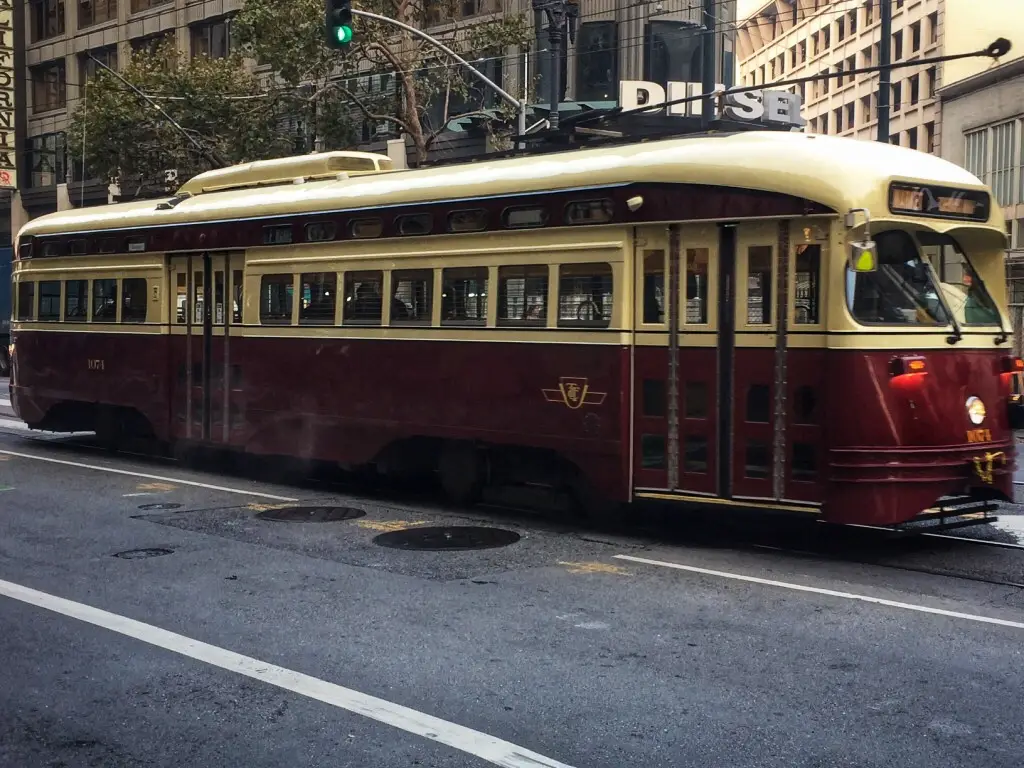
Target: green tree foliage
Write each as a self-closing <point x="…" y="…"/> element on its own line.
<point x="410" y="75"/>
<point x="217" y="101"/>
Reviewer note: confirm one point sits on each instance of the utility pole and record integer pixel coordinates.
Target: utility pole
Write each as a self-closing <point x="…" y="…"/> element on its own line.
<point x="707" y="66"/>
<point x="885" y="70"/>
<point x="559" y="13"/>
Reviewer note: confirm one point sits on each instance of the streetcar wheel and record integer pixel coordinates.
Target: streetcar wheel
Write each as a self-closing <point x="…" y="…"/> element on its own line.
<point x="109" y="429"/>
<point x="461" y="472"/>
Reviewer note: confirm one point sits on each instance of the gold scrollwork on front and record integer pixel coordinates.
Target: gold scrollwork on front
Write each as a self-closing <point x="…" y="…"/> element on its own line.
<point x="984" y="466"/>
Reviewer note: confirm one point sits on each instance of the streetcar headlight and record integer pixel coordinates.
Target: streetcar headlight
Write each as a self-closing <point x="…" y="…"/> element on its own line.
<point x="975" y="410"/>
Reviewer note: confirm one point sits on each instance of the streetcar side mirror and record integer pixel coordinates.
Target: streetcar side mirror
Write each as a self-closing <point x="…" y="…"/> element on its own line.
<point x="863" y="256"/>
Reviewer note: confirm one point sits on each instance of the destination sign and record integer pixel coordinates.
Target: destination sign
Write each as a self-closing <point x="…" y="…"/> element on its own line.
<point x="8" y="163"/>
<point x="939" y="202"/>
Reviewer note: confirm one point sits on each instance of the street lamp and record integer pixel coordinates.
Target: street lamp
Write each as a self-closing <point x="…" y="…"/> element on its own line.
<point x="559" y="13"/>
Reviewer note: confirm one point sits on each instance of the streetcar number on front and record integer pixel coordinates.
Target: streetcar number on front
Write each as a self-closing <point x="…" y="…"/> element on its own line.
<point x="979" y="436"/>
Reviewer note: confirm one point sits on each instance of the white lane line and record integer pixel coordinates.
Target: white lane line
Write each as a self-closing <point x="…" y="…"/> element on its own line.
<point x="482" y="745"/>
<point x="176" y="480"/>
<point x="822" y="591"/>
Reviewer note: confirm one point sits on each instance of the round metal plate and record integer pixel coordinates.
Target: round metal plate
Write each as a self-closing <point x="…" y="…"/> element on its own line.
<point x="447" y="539"/>
<point x="311" y="514"/>
<point x="165" y="505"/>
<point x="141" y="554"/>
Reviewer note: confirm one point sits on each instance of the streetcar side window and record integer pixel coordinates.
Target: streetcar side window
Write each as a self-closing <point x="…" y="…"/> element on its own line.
<point x="470" y="220"/>
<point x="26" y="300"/>
<point x="278" y="234"/>
<point x="49" y="300"/>
<point x="464" y="296"/>
<point x="133" y="310"/>
<point x="654" y="286"/>
<point x="366" y="228"/>
<point x="697" y="285"/>
<point x="411" y="299"/>
<point x="237" y="288"/>
<point x="180" y="297"/>
<point x="319" y="297"/>
<point x="524" y="217"/>
<point x="414" y="224"/>
<point x="76" y="301"/>
<point x="104" y="300"/>
<point x="585" y="295"/>
<point x="318" y="231"/>
<point x="363" y="292"/>
<point x="523" y="295"/>
<point x="759" y="285"/>
<point x="808" y="285"/>
<point x="277" y="293"/>
<point x="589" y="212"/>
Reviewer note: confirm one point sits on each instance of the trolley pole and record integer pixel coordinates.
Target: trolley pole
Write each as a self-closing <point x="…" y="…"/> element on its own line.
<point x="707" y="67"/>
<point x="519" y="104"/>
<point x="560" y="15"/>
<point x="885" y="70"/>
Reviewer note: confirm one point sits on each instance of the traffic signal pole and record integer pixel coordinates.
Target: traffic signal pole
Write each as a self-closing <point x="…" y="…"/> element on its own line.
<point x="885" y="70"/>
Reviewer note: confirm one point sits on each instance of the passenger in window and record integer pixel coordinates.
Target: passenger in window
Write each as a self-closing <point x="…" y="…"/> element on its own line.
<point x="367" y="303"/>
<point x="399" y="309"/>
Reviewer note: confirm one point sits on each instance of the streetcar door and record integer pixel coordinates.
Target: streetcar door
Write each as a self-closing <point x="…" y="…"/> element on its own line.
<point x="676" y="371"/>
<point x="207" y="304"/>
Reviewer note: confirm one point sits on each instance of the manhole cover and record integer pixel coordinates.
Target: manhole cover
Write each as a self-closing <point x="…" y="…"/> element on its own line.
<point x="311" y="514"/>
<point x="140" y="554"/>
<point x="447" y="538"/>
<point x="165" y="505"/>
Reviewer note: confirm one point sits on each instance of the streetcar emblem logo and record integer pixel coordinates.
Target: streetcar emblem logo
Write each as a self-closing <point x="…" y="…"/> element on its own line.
<point x="984" y="466"/>
<point x="574" y="393"/>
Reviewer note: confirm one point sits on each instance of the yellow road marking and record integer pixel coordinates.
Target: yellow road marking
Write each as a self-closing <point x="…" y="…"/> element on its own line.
<point x="594" y="567"/>
<point x="387" y="526"/>
<point x="154" y="487"/>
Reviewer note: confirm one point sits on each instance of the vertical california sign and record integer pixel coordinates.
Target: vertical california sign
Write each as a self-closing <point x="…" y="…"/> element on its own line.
<point x="8" y="161"/>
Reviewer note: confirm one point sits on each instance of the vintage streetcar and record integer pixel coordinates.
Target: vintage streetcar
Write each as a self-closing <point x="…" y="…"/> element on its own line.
<point x="763" y="319"/>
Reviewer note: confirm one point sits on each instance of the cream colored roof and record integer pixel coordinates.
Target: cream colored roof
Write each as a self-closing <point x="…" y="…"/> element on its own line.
<point x="836" y="172"/>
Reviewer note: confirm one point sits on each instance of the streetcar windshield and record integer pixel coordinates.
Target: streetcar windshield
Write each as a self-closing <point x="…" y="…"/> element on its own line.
<point x="965" y="294"/>
<point x="901" y="291"/>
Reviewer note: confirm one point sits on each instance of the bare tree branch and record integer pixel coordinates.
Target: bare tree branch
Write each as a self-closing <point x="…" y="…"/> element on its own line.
<point x="370" y="115"/>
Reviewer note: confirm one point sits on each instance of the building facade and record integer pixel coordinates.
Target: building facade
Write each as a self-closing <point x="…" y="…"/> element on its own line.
<point x="615" y="40"/>
<point x="787" y="39"/>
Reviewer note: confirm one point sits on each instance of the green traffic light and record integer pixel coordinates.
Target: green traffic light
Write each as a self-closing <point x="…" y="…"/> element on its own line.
<point x="343" y="34"/>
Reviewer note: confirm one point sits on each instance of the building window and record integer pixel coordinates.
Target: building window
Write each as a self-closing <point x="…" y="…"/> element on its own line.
<point x="930" y="77"/>
<point x="894" y="139"/>
<point x="824" y="123"/>
<point x="1004" y="147"/>
<point x="96" y="12"/>
<point x="47" y="19"/>
<point x="597" y="61"/>
<point x="212" y="39"/>
<point x="929" y="137"/>
<point x="912" y="138"/>
<point x="837" y="114"/>
<point x="865" y="57"/>
<point x="792" y="56"/>
<point x="841" y="29"/>
<point x="897" y="46"/>
<point x="915" y="37"/>
<point x="915" y="88"/>
<point x="89" y="68"/>
<point x="826" y="36"/>
<point x="869" y="12"/>
<point x="46" y="158"/>
<point x="48" y="86"/>
<point x="897" y="96"/>
<point x="976" y="153"/>
<point x="672" y="51"/>
<point x="865" y="109"/>
<point x="850" y="115"/>
<point x="803" y="51"/>
<point x="144" y="5"/>
<point x="933" y="28"/>
<point x="851" y="18"/>
<point x="151" y="44"/>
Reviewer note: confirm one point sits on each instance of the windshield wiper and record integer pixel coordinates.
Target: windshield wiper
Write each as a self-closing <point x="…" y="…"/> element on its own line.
<point x="958" y="333"/>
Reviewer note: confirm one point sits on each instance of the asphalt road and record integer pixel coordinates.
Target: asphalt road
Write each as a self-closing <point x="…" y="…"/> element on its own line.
<point x="251" y="642"/>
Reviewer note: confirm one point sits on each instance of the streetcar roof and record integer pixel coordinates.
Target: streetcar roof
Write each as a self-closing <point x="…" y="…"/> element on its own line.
<point x="836" y="172"/>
